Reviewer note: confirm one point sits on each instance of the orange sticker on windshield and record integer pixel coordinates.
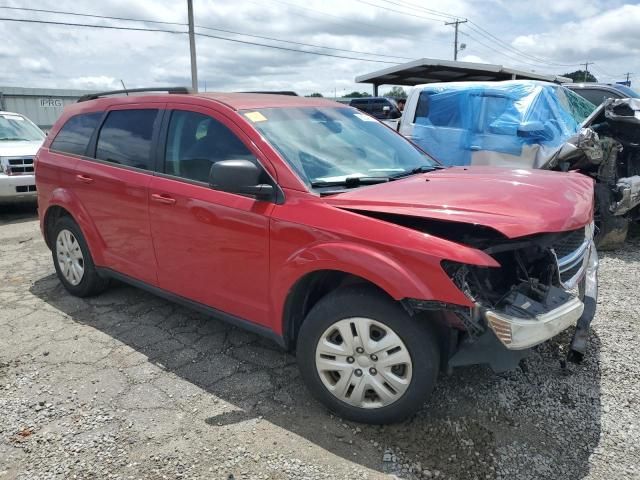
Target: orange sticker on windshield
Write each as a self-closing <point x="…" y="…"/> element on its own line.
<point x="255" y="116"/>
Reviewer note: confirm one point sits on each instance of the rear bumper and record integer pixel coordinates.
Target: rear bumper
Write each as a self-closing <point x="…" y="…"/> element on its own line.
<point x="16" y="188"/>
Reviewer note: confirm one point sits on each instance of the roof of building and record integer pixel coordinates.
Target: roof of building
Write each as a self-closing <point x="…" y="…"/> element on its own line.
<point x="43" y="92"/>
<point x="430" y="70"/>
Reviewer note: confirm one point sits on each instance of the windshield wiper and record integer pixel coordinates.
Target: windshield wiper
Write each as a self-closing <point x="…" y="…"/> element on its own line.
<point x="350" y="182"/>
<point x="415" y="171"/>
<point x="13" y="139"/>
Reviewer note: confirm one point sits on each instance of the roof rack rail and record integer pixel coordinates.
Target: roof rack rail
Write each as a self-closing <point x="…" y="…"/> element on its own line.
<point x="276" y="92"/>
<point x="93" y="96"/>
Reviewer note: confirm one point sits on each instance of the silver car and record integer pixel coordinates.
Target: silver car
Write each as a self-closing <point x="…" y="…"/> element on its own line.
<point x="20" y="140"/>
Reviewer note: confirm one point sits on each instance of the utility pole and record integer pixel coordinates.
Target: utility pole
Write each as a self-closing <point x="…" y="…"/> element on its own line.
<point x="192" y="47"/>
<point x="586" y="70"/>
<point x="455" y="41"/>
<point x="627" y="82"/>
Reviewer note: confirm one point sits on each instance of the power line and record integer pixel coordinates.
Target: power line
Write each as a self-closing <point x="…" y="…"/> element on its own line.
<point x="314" y="13"/>
<point x="218" y="37"/>
<point x="107" y="27"/>
<point x="128" y="19"/>
<point x="302" y="44"/>
<point x="433" y="19"/>
<point x="107" y="17"/>
<point x="408" y="5"/>
<point x="480" y="31"/>
<point x="504" y="54"/>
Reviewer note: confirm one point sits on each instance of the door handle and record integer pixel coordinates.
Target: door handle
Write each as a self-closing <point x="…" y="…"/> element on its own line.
<point x="160" y="198"/>
<point x="84" y="179"/>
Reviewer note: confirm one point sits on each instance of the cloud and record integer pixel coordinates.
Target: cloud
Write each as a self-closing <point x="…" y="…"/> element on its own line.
<point x="95" y="83"/>
<point x="36" y="65"/>
<point x="472" y="58"/>
<point x="77" y="57"/>
<point x="612" y="34"/>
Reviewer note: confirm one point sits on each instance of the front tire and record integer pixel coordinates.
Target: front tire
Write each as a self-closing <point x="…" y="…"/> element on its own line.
<point x="611" y="229"/>
<point x="365" y="358"/>
<point x="72" y="260"/>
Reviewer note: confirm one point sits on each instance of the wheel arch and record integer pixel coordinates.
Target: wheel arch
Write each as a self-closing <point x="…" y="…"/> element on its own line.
<point x="308" y="290"/>
<point x="64" y="203"/>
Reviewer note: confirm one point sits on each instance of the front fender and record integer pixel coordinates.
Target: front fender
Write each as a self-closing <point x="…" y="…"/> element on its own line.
<point x="64" y="198"/>
<point x="424" y="279"/>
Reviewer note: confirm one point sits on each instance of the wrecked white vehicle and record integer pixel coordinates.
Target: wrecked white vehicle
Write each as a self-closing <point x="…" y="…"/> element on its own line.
<point x="532" y="124"/>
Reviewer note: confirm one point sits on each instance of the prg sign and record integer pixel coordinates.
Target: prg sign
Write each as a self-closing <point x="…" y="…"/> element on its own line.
<point x="51" y="103"/>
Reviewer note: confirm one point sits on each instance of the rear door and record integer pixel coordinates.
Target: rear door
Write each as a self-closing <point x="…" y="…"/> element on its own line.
<point x="212" y="246"/>
<point x="113" y="187"/>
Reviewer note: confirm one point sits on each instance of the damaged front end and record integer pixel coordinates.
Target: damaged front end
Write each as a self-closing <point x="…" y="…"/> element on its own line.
<point x="608" y="150"/>
<point x="545" y="284"/>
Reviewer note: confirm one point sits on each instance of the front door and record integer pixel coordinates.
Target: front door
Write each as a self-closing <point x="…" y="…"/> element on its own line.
<point x="211" y="246"/>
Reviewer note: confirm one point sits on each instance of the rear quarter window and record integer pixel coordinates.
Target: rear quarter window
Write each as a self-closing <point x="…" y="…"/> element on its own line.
<point x="75" y="135"/>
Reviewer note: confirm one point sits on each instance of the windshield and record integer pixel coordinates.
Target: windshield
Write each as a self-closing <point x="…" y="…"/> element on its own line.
<point x="331" y="144"/>
<point x="16" y="127"/>
<point x="628" y="92"/>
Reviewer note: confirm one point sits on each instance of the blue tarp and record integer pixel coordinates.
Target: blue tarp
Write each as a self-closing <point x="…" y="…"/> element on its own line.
<point x="514" y="118"/>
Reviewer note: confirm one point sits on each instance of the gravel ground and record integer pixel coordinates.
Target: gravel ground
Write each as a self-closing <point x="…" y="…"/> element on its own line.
<point x="126" y="385"/>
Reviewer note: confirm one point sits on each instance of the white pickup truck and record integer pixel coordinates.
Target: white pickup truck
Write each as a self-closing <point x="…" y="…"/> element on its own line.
<point x="20" y="140"/>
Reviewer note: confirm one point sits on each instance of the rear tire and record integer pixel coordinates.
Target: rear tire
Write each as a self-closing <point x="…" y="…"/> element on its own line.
<point x="365" y="358"/>
<point x="72" y="260"/>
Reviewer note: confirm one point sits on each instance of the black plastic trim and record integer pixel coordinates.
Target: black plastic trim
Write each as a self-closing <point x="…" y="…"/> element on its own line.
<point x="205" y="309"/>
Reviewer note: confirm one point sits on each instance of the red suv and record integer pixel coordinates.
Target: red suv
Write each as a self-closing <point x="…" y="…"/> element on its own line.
<point x="315" y="225"/>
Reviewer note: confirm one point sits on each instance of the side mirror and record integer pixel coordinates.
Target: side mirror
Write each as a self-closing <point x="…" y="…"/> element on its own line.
<point x="239" y="176"/>
<point x="532" y="129"/>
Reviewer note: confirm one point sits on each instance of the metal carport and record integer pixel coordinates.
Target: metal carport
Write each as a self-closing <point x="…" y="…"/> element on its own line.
<point x="429" y="70"/>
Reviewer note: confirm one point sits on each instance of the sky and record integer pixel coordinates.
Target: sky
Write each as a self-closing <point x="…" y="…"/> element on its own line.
<point x="546" y="36"/>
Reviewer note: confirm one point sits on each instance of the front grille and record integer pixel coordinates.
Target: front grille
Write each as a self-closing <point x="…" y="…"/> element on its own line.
<point x="571" y="249"/>
<point x="568" y="243"/>
<point x="25" y="188"/>
<point x="570" y="272"/>
<point x="21" y="166"/>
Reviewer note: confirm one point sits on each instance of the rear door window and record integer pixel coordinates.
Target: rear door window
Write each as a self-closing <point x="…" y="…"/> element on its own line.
<point x="75" y="135"/>
<point x="126" y="138"/>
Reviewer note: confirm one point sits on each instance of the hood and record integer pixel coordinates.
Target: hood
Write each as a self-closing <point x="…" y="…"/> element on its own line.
<point x="516" y="203"/>
<point x="19" y="148"/>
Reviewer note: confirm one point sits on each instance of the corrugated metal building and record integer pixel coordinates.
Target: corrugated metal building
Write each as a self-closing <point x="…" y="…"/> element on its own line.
<point x="42" y="106"/>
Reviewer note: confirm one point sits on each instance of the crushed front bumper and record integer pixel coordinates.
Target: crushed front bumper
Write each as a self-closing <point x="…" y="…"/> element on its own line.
<point x="518" y="333"/>
<point x="509" y="338"/>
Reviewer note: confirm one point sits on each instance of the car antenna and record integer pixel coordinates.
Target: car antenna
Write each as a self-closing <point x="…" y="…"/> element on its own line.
<point x="123" y="87"/>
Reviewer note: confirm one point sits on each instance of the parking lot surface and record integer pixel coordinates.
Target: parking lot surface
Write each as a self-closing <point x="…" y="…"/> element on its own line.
<point x="127" y="385"/>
